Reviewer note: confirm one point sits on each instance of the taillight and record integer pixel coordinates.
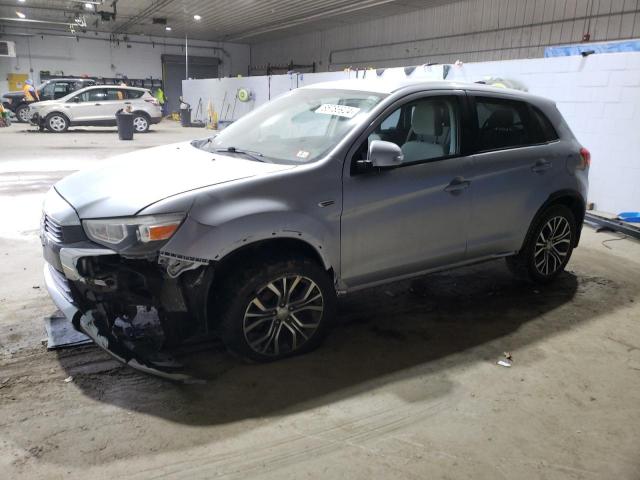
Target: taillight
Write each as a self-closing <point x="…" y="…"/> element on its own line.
<point x="152" y="100"/>
<point x="585" y="159"/>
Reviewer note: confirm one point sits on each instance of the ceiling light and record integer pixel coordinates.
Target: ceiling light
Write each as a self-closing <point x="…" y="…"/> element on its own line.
<point x="21" y="15"/>
<point x="22" y="1"/>
<point x="88" y="6"/>
<point x="167" y="28"/>
<point x="197" y="18"/>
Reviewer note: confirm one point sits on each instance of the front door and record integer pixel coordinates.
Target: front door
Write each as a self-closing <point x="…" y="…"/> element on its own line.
<point x="86" y="107"/>
<point x="414" y="217"/>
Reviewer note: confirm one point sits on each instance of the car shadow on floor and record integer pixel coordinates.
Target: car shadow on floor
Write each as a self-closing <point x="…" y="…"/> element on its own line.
<point x="385" y="336"/>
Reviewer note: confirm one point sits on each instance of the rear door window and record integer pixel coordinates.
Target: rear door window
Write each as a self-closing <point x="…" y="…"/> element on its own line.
<point x="131" y="94"/>
<point x="61" y="89"/>
<point x="116" y="94"/>
<point x="503" y="124"/>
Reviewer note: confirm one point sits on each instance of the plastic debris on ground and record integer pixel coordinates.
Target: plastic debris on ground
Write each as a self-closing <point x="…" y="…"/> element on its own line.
<point x="507" y="361"/>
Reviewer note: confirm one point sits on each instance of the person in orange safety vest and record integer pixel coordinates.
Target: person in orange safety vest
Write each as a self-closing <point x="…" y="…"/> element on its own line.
<point x="30" y="92"/>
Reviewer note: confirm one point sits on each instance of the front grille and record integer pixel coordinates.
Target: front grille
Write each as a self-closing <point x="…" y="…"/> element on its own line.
<point x="53" y="229"/>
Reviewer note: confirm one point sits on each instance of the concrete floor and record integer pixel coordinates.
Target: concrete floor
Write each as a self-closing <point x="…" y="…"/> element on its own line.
<point x="406" y="386"/>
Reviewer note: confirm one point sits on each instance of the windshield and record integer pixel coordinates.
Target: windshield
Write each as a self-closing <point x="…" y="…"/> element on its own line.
<point x="299" y="127"/>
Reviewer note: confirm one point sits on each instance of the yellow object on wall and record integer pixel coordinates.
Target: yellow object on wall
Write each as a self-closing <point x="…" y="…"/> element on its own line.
<point x="16" y="80"/>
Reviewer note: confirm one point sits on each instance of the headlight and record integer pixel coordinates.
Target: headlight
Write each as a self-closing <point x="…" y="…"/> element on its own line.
<point x="135" y="234"/>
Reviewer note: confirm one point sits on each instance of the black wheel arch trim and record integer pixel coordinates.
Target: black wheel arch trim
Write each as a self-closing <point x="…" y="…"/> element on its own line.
<point x="570" y="198"/>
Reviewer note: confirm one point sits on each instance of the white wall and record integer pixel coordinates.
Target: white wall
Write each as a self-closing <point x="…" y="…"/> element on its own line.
<point x="469" y="30"/>
<point x="94" y="55"/>
<point x="264" y="88"/>
<point x="599" y="97"/>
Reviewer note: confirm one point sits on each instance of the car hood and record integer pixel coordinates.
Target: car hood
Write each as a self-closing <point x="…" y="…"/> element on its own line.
<point x="43" y="103"/>
<point x="13" y="94"/>
<point x="133" y="181"/>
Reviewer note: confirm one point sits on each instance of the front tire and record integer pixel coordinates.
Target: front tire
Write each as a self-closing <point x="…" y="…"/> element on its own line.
<point x="57" y="123"/>
<point x="548" y="246"/>
<point x="22" y="114"/>
<point x="278" y="310"/>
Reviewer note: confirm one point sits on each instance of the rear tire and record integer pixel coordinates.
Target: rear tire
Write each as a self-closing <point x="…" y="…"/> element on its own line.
<point x="56" y="123"/>
<point x="548" y="246"/>
<point x="141" y="123"/>
<point x="22" y="114"/>
<point x="275" y="310"/>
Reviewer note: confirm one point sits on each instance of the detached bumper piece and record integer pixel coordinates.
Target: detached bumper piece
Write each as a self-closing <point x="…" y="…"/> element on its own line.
<point x="137" y="355"/>
<point x="128" y="308"/>
<point x="36" y="120"/>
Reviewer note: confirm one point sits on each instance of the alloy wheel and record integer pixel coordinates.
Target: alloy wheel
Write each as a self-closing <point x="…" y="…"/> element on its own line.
<point x="283" y="315"/>
<point x="552" y="245"/>
<point x="23" y="115"/>
<point x="57" y="123"/>
<point x="140" y="124"/>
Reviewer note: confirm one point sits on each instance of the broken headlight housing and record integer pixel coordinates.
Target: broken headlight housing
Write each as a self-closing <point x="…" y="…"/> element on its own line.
<point x="133" y="235"/>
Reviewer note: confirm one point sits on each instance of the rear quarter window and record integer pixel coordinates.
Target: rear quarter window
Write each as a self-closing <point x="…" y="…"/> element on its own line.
<point x="544" y="129"/>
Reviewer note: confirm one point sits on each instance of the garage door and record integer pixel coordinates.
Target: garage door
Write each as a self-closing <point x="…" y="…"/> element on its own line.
<point x="173" y="70"/>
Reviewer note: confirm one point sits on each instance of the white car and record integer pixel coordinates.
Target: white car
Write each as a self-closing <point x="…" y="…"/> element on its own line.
<point x="96" y="106"/>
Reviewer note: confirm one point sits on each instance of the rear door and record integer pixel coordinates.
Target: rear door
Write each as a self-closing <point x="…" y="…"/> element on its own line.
<point x="513" y="171"/>
<point x="115" y="100"/>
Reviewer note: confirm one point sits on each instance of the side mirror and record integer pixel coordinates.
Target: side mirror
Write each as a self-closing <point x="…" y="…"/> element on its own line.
<point x="75" y="99"/>
<point x="384" y="154"/>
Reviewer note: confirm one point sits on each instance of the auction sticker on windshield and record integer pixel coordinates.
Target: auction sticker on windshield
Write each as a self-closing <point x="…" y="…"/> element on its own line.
<point x="338" y="110"/>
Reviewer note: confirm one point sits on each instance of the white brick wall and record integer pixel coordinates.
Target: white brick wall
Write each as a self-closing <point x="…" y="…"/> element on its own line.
<point x="598" y="95"/>
<point x="600" y="98"/>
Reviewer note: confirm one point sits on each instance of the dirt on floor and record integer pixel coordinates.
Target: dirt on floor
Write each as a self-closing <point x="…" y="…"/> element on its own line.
<point x="406" y="385"/>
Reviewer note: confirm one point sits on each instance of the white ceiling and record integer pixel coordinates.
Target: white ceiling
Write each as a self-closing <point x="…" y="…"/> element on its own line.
<point x="246" y="21"/>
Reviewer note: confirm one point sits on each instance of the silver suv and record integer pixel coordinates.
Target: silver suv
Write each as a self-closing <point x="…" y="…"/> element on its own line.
<point x="96" y="106"/>
<point x="251" y="234"/>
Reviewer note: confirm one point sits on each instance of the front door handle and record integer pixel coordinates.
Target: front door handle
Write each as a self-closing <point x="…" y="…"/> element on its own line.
<point x="541" y="166"/>
<point x="457" y="185"/>
<point x="97" y="104"/>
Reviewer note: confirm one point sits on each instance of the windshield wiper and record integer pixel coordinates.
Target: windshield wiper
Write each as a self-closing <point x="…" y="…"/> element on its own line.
<point x="249" y="153"/>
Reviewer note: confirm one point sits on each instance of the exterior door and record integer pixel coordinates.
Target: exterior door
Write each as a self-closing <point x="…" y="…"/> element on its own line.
<point x="513" y="171"/>
<point x="414" y="217"/>
<point x="115" y="100"/>
<point x="86" y="106"/>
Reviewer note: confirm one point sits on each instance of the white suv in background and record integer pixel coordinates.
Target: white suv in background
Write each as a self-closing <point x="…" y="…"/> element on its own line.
<point x="96" y="106"/>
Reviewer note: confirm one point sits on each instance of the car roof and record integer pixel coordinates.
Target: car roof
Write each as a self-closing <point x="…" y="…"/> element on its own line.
<point x="70" y="79"/>
<point x="93" y="87"/>
<point x="392" y="86"/>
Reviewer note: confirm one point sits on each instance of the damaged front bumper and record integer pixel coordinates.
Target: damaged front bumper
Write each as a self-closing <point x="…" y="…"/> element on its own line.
<point x="99" y="331"/>
<point x="108" y="299"/>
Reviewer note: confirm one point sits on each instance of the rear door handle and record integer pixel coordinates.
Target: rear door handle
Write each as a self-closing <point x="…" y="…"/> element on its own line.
<point x="457" y="185"/>
<point x="541" y="165"/>
<point x="97" y="104"/>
